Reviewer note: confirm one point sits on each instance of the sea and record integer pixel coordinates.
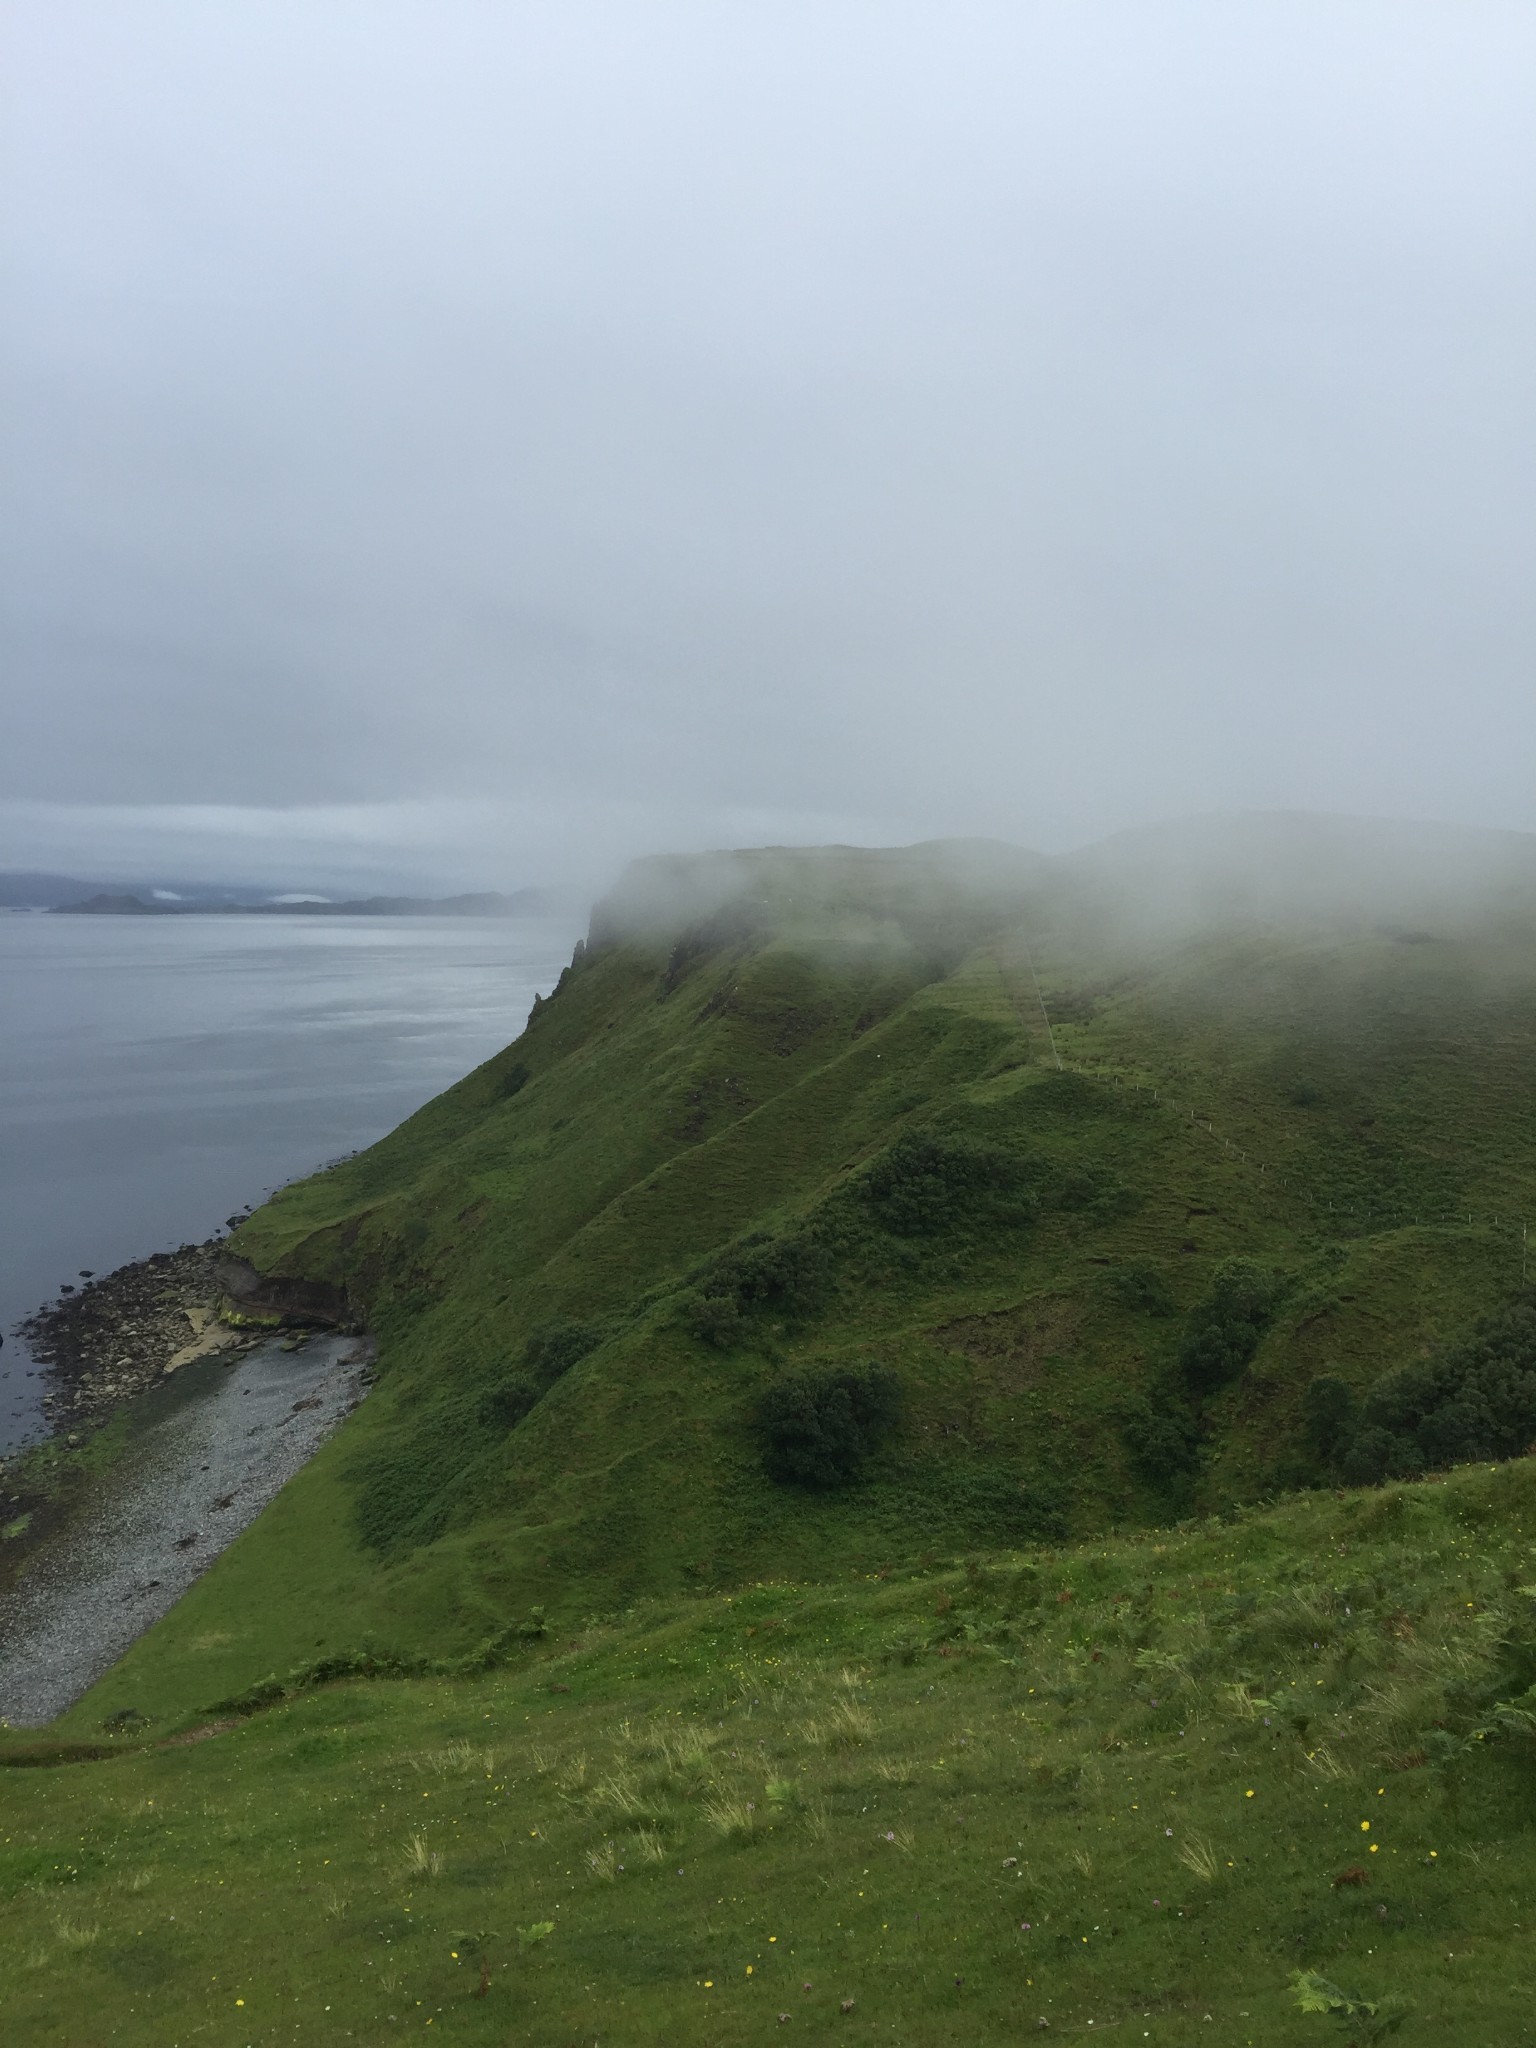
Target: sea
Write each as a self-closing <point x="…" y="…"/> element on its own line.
<point x="160" y="1074"/>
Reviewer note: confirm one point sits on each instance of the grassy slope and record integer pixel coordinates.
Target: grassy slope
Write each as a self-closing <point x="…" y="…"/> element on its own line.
<point x="1138" y="1782"/>
<point x="680" y="1097"/>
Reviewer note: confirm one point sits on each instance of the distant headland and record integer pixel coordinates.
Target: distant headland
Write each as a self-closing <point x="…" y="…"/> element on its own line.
<point x="481" y="903"/>
<point x="144" y="897"/>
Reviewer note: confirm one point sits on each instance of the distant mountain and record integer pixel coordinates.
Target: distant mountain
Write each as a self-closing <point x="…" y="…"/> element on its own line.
<point x="484" y="903"/>
<point x="104" y="905"/>
<point x="32" y="891"/>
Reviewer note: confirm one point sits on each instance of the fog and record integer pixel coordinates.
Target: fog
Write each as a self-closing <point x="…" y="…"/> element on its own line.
<point x="475" y="444"/>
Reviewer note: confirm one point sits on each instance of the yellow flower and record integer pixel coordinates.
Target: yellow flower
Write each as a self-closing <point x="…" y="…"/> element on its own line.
<point x="1374" y="1847"/>
<point x="1249" y="1793"/>
<point x="1365" y="1827"/>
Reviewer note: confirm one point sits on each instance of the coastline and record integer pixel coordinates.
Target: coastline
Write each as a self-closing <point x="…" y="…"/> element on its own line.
<point x="167" y="1358"/>
<point x="121" y="1333"/>
<point x="194" y="1462"/>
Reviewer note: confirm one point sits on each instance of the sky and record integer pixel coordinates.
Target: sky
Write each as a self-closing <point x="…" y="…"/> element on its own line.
<point x="471" y="443"/>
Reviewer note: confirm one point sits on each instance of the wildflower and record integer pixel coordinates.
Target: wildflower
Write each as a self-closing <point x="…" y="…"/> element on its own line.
<point x="1249" y="1793"/>
<point x="1365" y="1827"/>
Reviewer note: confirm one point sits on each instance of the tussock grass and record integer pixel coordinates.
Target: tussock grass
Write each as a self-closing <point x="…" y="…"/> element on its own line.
<point x="76" y="1933"/>
<point x="421" y="1860"/>
<point x="845" y="1725"/>
<point x="1200" y="1858"/>
<point x="454" y="1758"/>
<point x="732" y="1819"/>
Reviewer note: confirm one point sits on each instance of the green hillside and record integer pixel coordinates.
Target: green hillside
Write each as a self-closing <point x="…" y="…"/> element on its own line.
<point x="950" y="1432"/>
<point x="800" y="1114"/>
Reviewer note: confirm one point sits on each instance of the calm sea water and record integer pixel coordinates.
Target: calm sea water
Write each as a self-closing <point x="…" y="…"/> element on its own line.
<point x="157" y="1074"/>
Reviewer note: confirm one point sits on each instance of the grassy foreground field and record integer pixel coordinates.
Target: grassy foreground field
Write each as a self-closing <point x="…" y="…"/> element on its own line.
<point x="1137" y="1785"/>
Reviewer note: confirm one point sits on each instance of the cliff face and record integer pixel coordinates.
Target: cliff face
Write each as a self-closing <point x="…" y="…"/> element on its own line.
<point x="248" y="1298"/>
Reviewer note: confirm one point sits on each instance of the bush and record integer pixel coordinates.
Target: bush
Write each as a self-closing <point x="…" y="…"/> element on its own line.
<point x="1472" y="1400"/>
<point x="548" y="1354"/>
<point x="819" y="1427"/>
<point x="1329" y="1415"/>
<point x="1373" y="1454"/>
<point x="505" y="1406"/>
<point x="553" y="1349"/>
<point x="1140" y="1285"/>
<point x="1162" y="1435"/>
<point x="925" y="1182"/>
<point x="786" y="1274"/>
<point x="1224" y="1329"/>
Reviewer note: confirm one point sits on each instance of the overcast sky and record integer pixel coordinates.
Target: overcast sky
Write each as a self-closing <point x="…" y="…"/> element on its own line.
<point x="473" y="441"/>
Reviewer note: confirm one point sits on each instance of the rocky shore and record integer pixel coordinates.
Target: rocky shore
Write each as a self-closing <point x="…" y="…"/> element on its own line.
<point x="124" y="1332"/>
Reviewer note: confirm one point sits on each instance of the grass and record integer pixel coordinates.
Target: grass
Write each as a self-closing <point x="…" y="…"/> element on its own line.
<point x="1134" y="1799"/>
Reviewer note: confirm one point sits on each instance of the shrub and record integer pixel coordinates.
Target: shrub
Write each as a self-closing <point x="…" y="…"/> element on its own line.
<point x="787" y="1274"/>
<point x="1472" y="1400"/>
<point x="1140" y="1285"/>
<point x="1162" y="1436"/>
<point x="548" y="1354"/>
<point x="504" y="1406"/>
<point x="819" y="1427"/>
<point x="925" y="1182"/>
<point x="1329" y="1416"/>
<point x="1091" y="1189"/>
<point x="1224" y="1328"/>
<point x="553" y="1349"/>
<point x="1373" y="1454"/>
